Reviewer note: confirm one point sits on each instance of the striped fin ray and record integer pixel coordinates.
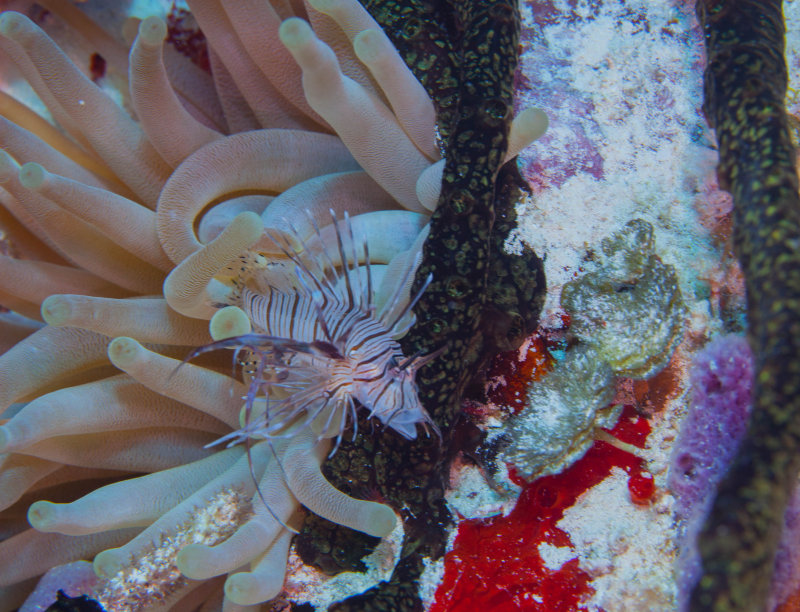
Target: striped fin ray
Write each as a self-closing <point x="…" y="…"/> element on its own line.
<point x="316" y="264"/>
<point x="286" y="315"/>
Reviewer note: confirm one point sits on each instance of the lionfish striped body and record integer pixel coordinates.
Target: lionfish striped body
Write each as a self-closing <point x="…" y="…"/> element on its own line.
<point x="325" y="347"/>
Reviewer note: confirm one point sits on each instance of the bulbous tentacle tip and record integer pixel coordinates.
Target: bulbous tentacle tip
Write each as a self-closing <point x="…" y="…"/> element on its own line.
<point x="109" y="562"/>
<point x="32" y="175"/>
<point x="527" y="127"/>
<point x="152" y="31"/>
<point x="123" y="351"/>
<point x="15" y="25"/>
<point x="247" y="588"/>
<point x="191" y="561"/>
<point x="295" y="32"/>
<point x="56" y="310"/>
<point x="368" y="46"/>
<point x="247" y="226"/>
<point x="382" y="521"/>
<point x="229" y="322"/>
<point x="42" y="515"/>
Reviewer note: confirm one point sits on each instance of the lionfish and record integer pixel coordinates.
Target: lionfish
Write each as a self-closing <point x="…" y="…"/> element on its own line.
<point x="320" y="349"/>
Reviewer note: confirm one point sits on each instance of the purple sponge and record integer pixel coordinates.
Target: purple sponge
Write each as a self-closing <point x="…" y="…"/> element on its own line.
<point x="786" y="576"/>
<point x="721" y="386"/>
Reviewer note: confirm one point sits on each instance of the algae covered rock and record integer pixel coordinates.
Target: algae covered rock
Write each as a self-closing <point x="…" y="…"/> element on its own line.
<point x="562" y="411"/>
<point x="630" y="309"/>
<point x="627" y="316"/>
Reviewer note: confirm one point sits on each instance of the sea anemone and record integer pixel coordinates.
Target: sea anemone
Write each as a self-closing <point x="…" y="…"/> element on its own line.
<point x="110" y="206"/>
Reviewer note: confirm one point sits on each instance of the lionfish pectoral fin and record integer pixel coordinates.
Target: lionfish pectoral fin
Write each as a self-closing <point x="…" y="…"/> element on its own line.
<point x="232" y="439"/>
<point x="277" y="519"/>
<point x="430" y="422"/>
<point x="423" y="360"/>
<point x="407" y="430"/>
<point x="260" y="344"/>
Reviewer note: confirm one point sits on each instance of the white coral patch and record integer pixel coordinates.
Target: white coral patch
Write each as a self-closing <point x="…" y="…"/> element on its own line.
<point x="306" y="584"/>
<point x="628" y="550"/>
<point x="554" y="557"/>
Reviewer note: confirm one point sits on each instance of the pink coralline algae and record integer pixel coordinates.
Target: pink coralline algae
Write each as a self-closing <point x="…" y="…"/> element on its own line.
<point x="574" y="147"/>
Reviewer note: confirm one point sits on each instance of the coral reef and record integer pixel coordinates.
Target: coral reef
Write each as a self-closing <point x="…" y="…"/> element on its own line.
<point x="562" y="413"/>
<point x="745" y="88"/>
<point x="785" y="588"/>
<point x="721" y="381"/>
<point x="502" y="563"/>
<point x="625" y="143"/>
